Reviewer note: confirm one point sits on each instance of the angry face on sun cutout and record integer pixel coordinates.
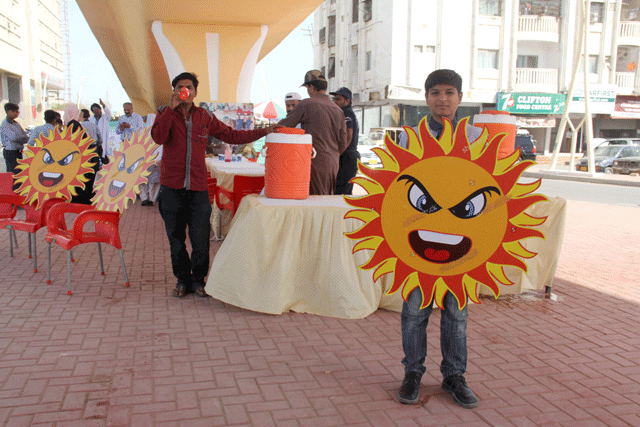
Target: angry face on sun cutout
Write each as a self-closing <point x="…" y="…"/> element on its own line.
<point x="119" y="181"/>
<point x="444" y="215"/>
<point x="435" y="216"/>
<point x="55" y="165"/>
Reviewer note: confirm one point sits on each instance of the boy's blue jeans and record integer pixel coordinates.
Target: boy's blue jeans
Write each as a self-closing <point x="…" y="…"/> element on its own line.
<point x="453" y="335"/>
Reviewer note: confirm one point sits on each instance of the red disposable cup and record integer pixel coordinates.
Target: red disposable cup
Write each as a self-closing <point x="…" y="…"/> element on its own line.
<point x="184" y="94"/>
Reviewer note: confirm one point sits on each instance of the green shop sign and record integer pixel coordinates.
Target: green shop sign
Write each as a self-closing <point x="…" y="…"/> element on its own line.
<point x="531" y="103"/>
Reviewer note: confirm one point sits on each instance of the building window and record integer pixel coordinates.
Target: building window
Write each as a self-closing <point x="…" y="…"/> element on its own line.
<point x="322" y="34"/>
<point x="597" y="13"/>
<point x="487" y="58"/>
<point x="332" y="67"/>
<point x="332" y="30"/>
<point x="367" y="11"/>
<point x="367" y="61"/>
<point x="355" y="8"/>
<point x="593" y="65"/>
<point x="417" y="48"/>
<point x="527" y="61"/>
<point x="490" y="7"/>
<point x="430" y="49"/>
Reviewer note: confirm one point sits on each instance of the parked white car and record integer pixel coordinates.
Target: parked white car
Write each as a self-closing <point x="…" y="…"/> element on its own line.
<point x="368" y="157"/>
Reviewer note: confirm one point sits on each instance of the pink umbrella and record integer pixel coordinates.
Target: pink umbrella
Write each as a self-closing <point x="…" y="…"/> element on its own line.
<point x="270" y="111"/>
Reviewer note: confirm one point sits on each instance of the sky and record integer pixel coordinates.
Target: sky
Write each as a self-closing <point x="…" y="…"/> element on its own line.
<point x="93" y="76"/>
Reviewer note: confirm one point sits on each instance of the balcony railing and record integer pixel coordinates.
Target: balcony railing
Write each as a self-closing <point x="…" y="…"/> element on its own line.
<point x="545" y="28"/>
<point x="536" y="76"/>
<point x="626" y="80"/>
<point x="630" y="29"/>
<point x="537" y="79"/>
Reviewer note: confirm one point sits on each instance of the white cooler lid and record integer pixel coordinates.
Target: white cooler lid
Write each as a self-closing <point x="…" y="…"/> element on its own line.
<point x="288" y="138"/>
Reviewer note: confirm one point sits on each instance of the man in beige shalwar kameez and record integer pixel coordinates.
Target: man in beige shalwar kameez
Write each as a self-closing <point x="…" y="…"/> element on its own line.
<point x="324" y="121"/>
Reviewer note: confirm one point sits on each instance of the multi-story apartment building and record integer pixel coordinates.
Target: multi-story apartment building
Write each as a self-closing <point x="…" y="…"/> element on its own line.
<point x="513" y="55"/>
<point x="30" y="56"/>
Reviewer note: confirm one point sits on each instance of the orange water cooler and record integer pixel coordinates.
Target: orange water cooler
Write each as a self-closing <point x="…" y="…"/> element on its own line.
<point x="288" y="154"/>
<point x="499" y="122"/>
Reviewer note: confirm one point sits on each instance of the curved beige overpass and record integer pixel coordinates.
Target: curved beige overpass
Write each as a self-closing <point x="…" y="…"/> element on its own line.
<point x="149" y="42"/>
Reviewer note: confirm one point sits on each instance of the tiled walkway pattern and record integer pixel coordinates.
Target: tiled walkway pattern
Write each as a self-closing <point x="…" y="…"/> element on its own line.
<point x="112" y="356"/>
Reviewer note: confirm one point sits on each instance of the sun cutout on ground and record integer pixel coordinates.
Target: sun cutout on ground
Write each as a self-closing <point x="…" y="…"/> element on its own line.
<point x="445" y="215"/>
<point x="55" y="166"/>
<point x="118" y="183"/>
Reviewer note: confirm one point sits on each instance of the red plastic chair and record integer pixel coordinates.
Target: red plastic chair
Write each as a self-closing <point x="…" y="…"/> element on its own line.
<point x="242" y="186"/>
<point x="106" y="231"/>
<point x="212" y="186"/>
<point x="9" y="202"/>
<point x="34" y="221"/>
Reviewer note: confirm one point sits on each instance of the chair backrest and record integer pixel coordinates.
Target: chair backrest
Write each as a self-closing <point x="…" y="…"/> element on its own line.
<point x="7" y="210"/>
<point x="212" y="185"/>
<point x="243" y="185"/>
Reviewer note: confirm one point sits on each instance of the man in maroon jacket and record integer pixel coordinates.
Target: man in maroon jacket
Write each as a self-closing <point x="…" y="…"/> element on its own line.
<point x="183" y="129"/>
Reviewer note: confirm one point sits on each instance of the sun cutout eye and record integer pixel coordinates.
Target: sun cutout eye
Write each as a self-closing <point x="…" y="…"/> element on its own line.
<point x="121" y="164"/>
<point x="419" y="197"/>
<point x="67" y="160"/>
<point x="473" y="205"/>
<point x="134" y="166"/>
<point x="46" y="157"/>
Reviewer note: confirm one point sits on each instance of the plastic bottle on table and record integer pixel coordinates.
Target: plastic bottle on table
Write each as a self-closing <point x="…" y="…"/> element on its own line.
<point x="227" y="153"/>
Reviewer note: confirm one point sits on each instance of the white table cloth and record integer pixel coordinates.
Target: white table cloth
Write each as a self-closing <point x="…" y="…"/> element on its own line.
<point x="283" y="255"/>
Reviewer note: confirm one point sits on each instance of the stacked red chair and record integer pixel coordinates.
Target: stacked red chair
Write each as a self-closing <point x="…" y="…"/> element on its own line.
<point x="106" y="223"/>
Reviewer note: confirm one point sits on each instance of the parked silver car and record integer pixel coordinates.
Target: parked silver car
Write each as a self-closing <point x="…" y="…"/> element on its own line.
<point x="605" y="156"/>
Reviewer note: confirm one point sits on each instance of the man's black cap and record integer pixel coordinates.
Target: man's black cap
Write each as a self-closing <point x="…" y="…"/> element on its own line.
<point x="343" y="91"/>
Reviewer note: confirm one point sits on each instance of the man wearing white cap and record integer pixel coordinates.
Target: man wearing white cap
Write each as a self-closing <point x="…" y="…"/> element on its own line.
<point x="291" y="100"/>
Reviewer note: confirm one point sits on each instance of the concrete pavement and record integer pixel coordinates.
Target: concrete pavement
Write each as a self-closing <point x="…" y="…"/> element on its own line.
<point x="116" y="356"/>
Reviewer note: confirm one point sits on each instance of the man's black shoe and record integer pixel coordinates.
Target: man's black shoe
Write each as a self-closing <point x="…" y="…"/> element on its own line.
<point x="410" y="388"/>
<point x="462" y="394"/>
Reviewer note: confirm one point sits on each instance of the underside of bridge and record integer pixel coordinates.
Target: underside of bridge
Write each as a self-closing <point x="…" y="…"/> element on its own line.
<point x="149" y="42"/>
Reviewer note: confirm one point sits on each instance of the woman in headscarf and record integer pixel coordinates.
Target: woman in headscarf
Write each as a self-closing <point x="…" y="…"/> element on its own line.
<point x="70" y="118"/>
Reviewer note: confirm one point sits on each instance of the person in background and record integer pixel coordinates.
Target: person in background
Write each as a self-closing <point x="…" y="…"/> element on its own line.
<point x="129" y="123"/>
<point x="71" y="116"/>
<point x="443" y="93"/>
<point x="291" y="100"/>
<point x="349" y="157"/>
<point x="13" y="137"/>
<point x="183" y="130"/>
<point x="149" y="190"/>
<point x="50" y="119"/>
<point x="102" y="123"/>
<point x="90" y="127"/>
<point x="324" y="120"/>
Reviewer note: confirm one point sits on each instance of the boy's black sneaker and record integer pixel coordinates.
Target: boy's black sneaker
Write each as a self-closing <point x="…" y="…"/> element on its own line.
<point x="462" y="394"/>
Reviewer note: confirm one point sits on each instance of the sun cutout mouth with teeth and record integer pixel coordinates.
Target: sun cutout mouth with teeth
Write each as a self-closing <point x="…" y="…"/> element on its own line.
<point x="118" y="183"/>
<point x="55" y="166"/>
<point x="444" y="215"/>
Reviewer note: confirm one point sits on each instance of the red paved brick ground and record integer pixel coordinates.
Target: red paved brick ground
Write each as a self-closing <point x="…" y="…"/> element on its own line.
<point x="112" y="356"/>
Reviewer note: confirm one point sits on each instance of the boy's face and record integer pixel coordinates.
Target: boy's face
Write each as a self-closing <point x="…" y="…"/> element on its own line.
<point x="443" y="101"/>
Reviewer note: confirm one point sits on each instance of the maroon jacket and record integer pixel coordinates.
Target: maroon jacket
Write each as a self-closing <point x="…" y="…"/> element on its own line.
<point x="172" y="130"/>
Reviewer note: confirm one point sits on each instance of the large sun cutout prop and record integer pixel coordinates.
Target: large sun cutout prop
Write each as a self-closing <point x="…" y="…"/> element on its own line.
<point x="118" y="183"/>
<point x="55" y="166"/>
<point x="445" y="215"/>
